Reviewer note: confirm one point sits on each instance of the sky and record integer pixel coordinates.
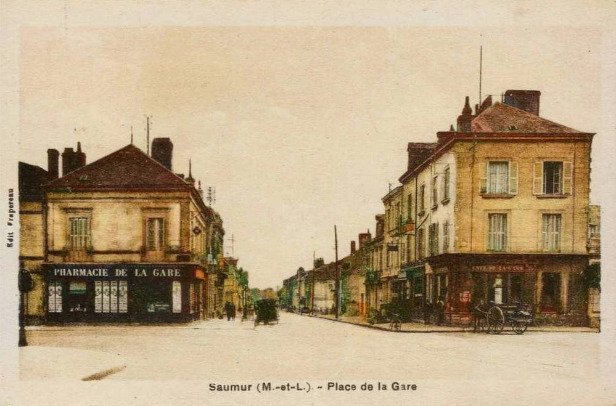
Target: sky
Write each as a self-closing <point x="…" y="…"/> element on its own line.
<point x="298" y="128"/>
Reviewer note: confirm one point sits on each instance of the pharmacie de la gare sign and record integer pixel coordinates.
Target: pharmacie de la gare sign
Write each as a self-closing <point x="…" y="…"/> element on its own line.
<point x="123" y="271"/>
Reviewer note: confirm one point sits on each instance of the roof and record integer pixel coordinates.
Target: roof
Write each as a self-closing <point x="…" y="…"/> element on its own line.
<point x="501" y="117"/>
<point x="31" y="180"/>
<point x="128" y="168"/>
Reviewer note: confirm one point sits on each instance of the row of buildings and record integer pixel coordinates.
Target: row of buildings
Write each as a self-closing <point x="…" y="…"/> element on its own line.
<point x="122" y="239"/>
<point x="496" y="209"/>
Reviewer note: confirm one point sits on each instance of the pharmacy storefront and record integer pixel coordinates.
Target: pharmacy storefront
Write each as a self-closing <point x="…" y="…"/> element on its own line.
<point x="124" y="292"/>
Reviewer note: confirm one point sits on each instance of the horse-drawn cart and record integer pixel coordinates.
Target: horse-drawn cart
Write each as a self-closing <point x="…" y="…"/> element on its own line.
<point x="493" y="317"/>
<point x="266" y="311"/>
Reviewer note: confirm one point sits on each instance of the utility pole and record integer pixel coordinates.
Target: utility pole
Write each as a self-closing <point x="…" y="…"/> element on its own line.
<point x="314" y="268"/>
<point x="147" y="133"/>
<point x="337" y="275"/>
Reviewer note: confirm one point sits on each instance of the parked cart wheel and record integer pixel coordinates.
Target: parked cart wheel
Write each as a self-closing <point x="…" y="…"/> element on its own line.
<point x="496" y="320"/>
<point x="519" y="327"/>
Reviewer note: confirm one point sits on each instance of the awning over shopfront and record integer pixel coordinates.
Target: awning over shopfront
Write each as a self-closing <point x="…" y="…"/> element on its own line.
<point x="413" y="271"/>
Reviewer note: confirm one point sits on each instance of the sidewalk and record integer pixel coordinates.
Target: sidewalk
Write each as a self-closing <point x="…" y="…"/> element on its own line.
<point x="432" y="328"/>
<point x="37" y="362"/>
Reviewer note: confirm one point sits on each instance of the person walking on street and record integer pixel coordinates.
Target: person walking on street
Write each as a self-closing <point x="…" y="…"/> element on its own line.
<point x="228" y="306"/>
<point x="232" y="311"/>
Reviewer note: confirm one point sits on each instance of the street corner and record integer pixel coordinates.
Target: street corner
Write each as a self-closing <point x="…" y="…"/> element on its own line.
<point x="37" y="362"/>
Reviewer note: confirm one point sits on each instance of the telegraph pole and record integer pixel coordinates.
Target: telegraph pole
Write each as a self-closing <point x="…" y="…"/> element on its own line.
<point x="314" y="268"/>
<point x="337" y="275"/>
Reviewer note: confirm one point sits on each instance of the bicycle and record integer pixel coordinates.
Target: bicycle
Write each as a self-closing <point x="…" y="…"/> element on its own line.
<point x="395" y="324"/>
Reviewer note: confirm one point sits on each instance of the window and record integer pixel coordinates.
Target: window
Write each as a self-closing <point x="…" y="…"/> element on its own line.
<point x="593" y="231"/>
<point x="433" y="238"/>
<point x="551" y="232"/>
<point x="54" y="298"/>
<point x="552" y="178"/>
<point x="501" y="178"/>
<point x="422" y="199"/>
<point x="446" y="179"/>
<point x="408" y="248"/>
<point x="421" y="244"/>
<point x="155" y="234"/>
<point x="498" y="177"/>
<point x="409" y="207"/>
<point x="497" y="233"/>
<point x="79" y="233"/>
<point x="111" y="296"/>
<point x="446" y="236"/>
<point x="434" y="192"/>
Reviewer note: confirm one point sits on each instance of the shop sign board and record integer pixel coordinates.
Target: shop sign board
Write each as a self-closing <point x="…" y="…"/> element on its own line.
<point x="502" y="268"/>
<point x="123" y="271"/>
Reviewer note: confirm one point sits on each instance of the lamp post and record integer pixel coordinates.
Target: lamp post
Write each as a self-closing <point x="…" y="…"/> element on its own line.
<point x="25" y="284"/>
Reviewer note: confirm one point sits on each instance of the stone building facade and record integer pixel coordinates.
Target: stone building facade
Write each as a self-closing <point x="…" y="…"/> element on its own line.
<point x="123" y="238"/>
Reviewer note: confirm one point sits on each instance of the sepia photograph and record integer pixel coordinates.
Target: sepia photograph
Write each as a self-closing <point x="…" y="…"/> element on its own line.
<point x="307" y="203"/>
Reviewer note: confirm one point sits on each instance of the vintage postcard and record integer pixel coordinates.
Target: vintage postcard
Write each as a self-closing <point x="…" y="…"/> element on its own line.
<point x="307" y="203"/>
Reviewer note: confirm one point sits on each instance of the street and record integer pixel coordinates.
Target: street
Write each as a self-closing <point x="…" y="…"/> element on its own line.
<point x="304" y="348"/>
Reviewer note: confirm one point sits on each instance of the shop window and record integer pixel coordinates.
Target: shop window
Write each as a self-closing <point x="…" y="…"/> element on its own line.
<point x="79" y="233"/>
<point x="497" y="232"/>
<point x="551" y="232"/>
<point x="155" y="228"/>
<point x="54" y="298"/>
<point x="550" y="292"/>
<point x="176" y="294"/>
<point x="417" y="285"/>
<point x="77" y="300"/>
<point x="516" y="286"/>
<point x="110" y="296"/>
<point x="429" y="288"/>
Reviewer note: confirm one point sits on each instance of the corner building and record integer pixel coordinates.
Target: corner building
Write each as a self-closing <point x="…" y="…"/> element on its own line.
<point x="498" y="211"/>
<point x="127" y="240"/>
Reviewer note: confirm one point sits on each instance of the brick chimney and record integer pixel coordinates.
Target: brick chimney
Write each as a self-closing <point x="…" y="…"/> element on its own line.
<point x="418" y="152"/>
<point x="364" y="238"/>
<point x="53" y="159"/>
<point x="72" y="160"/>
<point x="353" y="247"/>
<point x="464" y="119"/>
<point x="162" y="152"/>
<point x="80" y="157"/>
<point x="527" y="100"/>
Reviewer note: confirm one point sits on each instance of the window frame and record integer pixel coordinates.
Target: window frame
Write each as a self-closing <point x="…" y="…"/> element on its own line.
<point x="548" y="236"/>
<point x="490" y="238"/>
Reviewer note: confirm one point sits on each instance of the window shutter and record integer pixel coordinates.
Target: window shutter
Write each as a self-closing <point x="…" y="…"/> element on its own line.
<point x="538" y="178"/>
<point x="567" y="177"/>
<point x="513" y="178"/>
<point x="484" y="179"/>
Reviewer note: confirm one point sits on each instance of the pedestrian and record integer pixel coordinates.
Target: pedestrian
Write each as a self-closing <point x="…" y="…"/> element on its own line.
<point x="228" y="310"/>
<point x="440" y="310"/>
<point x="232" y="311"/>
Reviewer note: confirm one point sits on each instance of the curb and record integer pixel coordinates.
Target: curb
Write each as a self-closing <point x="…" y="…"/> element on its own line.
<point x="103" y="374"/>
<point x="460" y="330"/>
<point x="456" y="330"/>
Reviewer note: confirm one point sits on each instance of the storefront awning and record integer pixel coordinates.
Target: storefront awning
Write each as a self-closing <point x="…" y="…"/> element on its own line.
<point x="413" y="271"/>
